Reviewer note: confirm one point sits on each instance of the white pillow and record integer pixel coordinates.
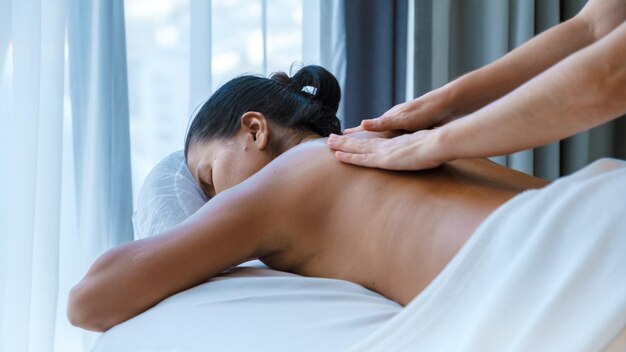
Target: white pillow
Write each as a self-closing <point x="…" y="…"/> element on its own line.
<point x="168" y="196"/>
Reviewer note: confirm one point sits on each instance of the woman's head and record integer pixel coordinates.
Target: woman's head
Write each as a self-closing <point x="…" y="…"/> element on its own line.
<point x="250" y="120"/>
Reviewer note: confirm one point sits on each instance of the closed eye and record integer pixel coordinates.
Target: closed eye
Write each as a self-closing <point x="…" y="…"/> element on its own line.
<point x="203" y="187"/>
<point x="207" y="187"/>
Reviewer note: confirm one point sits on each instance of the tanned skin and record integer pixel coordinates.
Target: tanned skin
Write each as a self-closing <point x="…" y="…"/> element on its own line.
<point x="303" y="212"/>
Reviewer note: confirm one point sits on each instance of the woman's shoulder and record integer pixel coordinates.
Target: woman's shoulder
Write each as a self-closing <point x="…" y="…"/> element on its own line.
<point x="302" y="164"/>
<point x="305" y="156"/>
<point x="296" y="189"/>
<point x="315" y="152"/>
<point x="305" y="168"/>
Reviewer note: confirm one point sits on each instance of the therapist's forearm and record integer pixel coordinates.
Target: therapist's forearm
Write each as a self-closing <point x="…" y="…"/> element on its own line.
<point x="584" y="90"/>
<point x="480" y="87"/>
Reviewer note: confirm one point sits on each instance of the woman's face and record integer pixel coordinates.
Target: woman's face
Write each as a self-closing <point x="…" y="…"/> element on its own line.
<point x="219" y="164"/>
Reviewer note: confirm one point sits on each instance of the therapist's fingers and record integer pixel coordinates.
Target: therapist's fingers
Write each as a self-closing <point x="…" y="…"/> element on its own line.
<point x="399" y="117"/>
<point x="353" y="145"/>
<point x="414" y="151"/>
<point x="366" y="160"/>
<point x="384" y="123"/>
<point x="353" y="130"/>
<point x="422" y="113"/>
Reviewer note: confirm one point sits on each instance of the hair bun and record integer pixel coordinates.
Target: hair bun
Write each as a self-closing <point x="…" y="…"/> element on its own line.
<point x="317" y="84"/>
<point x="313" y="82"/>
<point x="281" y="77"/>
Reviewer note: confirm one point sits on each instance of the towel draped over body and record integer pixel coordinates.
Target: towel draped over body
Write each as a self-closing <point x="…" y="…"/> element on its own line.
<point x="544" y="272"/>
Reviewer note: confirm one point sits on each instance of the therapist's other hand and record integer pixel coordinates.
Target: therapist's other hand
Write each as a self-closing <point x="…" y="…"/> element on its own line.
<point x="424" y="112"/>
<point x="379" y="135"/>
<point x="414" y="151"/>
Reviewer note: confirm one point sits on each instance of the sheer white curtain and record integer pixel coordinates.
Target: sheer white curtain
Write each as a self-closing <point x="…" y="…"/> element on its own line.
<point x="65" y="197"/>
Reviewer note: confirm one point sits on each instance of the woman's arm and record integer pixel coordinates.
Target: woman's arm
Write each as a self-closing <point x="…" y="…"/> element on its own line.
<point x="483" y="86"/>
<point x="127" y="280"/>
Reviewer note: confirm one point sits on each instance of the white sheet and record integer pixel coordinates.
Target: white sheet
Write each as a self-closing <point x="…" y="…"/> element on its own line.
<point x="255" y="309"/>
<point x="545" y="272"/>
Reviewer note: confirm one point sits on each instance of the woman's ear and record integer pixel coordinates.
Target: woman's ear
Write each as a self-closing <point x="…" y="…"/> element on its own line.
<point x="255" y="128"/>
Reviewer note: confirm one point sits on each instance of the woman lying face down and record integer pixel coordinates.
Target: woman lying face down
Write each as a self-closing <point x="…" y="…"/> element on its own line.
<point x="278" y="194"/>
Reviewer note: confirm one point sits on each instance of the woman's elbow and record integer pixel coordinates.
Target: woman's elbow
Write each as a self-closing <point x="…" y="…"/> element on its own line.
<point x="82" y="309"/>
<point x="91" y="302"/>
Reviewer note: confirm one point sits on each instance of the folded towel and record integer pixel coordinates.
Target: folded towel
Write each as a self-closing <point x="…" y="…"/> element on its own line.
<point x="544" y="272"/>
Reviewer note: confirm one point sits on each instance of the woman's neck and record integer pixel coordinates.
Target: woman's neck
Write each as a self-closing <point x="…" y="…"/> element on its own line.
<point x="296" y="139"/>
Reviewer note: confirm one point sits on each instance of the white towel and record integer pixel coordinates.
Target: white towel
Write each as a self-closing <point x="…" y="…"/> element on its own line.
<point x="544" y="272"/>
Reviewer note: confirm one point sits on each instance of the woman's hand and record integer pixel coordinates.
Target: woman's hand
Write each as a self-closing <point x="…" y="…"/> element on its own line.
<point x="431" y="109"/>
<point x="414" y="151"/>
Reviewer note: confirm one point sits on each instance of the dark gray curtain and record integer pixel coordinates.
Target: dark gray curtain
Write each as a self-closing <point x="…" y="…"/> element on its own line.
<point x="453" y="37"/>
<point x="376" y="57"/>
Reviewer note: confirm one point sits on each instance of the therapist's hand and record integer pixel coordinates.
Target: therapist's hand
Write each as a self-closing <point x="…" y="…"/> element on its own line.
<point x="414" y="151"/>
<point x="431" y="109"/>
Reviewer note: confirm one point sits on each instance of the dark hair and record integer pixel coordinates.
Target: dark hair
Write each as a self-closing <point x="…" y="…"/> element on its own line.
<point x="308" y="101"/>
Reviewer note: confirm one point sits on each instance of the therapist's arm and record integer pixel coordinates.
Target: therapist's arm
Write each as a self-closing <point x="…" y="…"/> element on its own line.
<point x="478" y="88"/>
<point x="583" y="91"/>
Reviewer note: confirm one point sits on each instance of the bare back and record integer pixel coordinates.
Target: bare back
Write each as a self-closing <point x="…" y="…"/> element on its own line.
<point x="391" y="232"/>
<point x="307" y="213"/>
